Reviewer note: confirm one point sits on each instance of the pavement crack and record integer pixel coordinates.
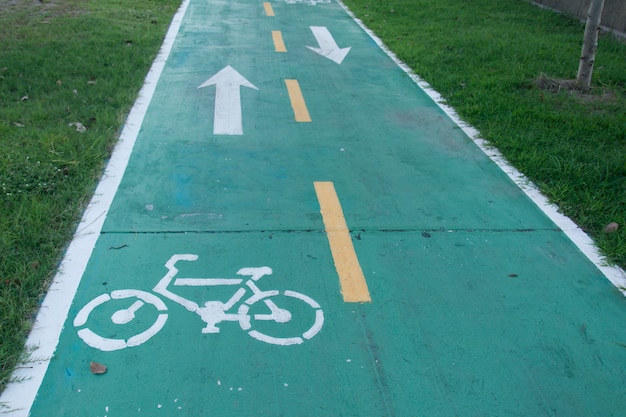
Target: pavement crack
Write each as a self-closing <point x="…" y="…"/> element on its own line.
<point x="356" y="232"/>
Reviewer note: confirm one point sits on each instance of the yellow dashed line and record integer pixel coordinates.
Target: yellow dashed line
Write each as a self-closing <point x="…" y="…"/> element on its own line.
<point x="353" y="285"/>
<point x="268" y="9"/>
<point x="279" y="45"/>
<point x="297" y="101"/>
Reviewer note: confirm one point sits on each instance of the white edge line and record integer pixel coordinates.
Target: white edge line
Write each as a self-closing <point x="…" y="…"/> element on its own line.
<point x="615" y="274"/>
<point x="18" y="397"/>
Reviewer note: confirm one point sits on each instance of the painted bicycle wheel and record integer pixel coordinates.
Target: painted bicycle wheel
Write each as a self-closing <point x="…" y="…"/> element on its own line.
<point x="121" y="317"/>
<point x="313" y="323"/>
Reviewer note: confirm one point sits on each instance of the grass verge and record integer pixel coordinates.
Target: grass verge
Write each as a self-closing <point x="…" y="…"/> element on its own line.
<point x="491" y="62"/>
<point x="69" y="72"/>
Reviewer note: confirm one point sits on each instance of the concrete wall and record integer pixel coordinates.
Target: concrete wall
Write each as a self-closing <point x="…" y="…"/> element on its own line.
<point x="613" y="16"/>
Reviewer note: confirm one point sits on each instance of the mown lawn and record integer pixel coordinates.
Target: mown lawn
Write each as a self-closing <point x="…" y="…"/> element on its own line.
<point x="69" y="72"/>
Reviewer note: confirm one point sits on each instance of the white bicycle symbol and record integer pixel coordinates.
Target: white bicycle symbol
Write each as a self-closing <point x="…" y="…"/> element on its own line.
<point x="212" y="313"/>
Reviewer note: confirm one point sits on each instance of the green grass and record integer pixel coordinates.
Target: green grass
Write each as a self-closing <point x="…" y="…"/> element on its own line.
<point x="485" y="56"/>
<point x="61" y="62"/>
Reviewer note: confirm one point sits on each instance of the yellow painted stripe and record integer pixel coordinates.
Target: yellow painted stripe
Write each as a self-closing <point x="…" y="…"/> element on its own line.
<point x="297" y="101"/>
<point x="353" y="285"/>
<point x="279" y="45"/>
<point x="268" y="9"/>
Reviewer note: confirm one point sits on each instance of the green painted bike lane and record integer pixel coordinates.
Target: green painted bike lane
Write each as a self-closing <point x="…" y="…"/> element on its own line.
<point x="480" y="305"/>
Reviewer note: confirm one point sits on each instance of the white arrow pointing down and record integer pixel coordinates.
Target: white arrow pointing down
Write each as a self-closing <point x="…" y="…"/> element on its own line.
<point x="328" y="47"/>
<point x="227" y="115"/>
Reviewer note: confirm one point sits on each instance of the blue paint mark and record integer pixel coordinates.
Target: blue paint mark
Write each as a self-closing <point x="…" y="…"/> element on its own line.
<point x="181" y="193"/>
<point x="178" y="59"/>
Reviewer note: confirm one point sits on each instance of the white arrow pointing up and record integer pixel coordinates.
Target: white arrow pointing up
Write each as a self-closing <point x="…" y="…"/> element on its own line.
<point x="227" y="116"/>
<point x="328" y="47"/>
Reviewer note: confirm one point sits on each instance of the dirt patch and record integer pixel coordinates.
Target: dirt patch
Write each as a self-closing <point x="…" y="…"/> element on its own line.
<point x="555" y="85"/>
<point x="25" y="4"/>
<point x="28" y="7"/>
<point x="37" y="11"/>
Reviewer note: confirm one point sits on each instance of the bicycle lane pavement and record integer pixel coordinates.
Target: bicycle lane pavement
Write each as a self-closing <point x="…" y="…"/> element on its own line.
<point x="224" y="280"/>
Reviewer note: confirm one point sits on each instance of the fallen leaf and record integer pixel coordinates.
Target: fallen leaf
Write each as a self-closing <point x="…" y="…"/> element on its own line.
<point x="97" y="368"/>
<point x="79" y="127"/>
<point x="59" y="82"/>
<point x="611" y="227"/>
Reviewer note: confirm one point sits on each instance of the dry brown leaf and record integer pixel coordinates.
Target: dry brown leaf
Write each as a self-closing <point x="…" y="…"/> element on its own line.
<point x="611" y="227"/>
<point x="97" y="368"/>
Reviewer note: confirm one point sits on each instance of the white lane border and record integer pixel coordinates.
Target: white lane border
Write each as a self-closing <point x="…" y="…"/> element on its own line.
<point x="18" y="397"/>
<point x="616" y="275"/>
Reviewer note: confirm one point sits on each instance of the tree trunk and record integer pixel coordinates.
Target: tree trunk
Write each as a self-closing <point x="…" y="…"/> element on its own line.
<point x="590" y="45"/>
